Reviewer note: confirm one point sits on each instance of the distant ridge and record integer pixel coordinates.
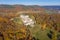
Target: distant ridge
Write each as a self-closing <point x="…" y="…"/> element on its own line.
<point x="16" y="8"/>
<point x="29" y="6"/>
<point x="21" y="7"/>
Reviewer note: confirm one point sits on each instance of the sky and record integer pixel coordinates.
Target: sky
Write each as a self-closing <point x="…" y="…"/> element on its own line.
<point x="31" y="2"/>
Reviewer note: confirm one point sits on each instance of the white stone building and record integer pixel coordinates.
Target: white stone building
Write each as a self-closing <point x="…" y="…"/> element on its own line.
<point x="27" y="20"/>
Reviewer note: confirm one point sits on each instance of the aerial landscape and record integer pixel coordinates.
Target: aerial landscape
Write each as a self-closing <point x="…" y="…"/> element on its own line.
<point x="29" y="19"/>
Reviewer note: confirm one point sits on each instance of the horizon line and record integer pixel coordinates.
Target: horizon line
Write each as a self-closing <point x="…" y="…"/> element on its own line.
<point x="30" y="4"/>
